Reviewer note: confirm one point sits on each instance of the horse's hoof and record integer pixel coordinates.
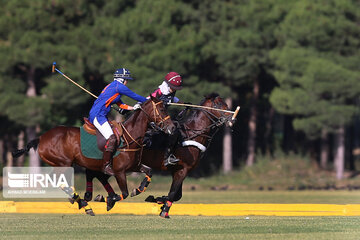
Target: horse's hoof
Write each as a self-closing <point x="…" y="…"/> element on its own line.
<point x="90" y="212"/>
<point x="71" y="200"/>
<point x="109" y="206"/>
<point x="82" y="203"/>
<point x="150" y="198"/>
<point x="161" y="200"/>
<point x="88" y="196"/>
<point x="99" y="198"/>
<point x="164" y="215"/>
<point x="110" y="202"/>
<point x="135" y="192"/>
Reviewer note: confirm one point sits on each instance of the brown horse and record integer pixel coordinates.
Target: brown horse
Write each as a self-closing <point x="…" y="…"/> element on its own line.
<point x="60" y="146"/>
<point x="197" y="129"/>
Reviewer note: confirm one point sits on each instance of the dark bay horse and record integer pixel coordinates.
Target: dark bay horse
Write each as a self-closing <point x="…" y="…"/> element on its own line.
<point x="60" y="146"/>
<point x="198" y="128"/>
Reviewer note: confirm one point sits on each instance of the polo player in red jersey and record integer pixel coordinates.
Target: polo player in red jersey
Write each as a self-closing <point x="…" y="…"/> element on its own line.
<point x="166" y="92"/>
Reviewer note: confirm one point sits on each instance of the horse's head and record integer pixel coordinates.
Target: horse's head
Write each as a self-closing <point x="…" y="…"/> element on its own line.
<point x="214" y="101"/>
<point x="156" y="113"/>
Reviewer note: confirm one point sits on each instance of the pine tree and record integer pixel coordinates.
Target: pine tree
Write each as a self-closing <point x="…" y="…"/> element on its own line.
<point x="32" y="34"/>
<point x="317" y="68"/>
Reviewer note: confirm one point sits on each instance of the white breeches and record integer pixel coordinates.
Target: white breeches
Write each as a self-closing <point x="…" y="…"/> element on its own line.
<point x="104" y="129"/>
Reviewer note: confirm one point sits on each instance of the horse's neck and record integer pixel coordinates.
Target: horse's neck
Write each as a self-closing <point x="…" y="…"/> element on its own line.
<point x="200" y="122"/>
<point x="136" y="125"/>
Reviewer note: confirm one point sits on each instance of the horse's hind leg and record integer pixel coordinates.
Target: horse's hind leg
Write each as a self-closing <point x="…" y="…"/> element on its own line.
<point x="145" y="182"/>
<point x="175" y="192"/>
<point x="102" y="177"/>
<point x="89" y="184"/>
<point x="178" y="194"/>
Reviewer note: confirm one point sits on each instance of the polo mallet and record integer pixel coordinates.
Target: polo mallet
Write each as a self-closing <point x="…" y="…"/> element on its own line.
<point x="234" y="116"/>
<point x="55" y="69"/>
<point x="235" y="113"/>
<point x="198" y="106"/>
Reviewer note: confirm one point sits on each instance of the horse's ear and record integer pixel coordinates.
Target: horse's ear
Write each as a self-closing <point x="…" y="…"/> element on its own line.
<point x="154" y="99"/>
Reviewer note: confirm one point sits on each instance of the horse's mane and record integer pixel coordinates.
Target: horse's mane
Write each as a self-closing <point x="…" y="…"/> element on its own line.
<point x="131" y="115"/>
<point x="210" y="96"/>
<point x="190" y="115"/>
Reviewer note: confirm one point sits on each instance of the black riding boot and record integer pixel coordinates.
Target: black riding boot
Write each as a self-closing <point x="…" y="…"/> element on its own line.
<point x="107" y="156"/>
<point x="172" y="141"/>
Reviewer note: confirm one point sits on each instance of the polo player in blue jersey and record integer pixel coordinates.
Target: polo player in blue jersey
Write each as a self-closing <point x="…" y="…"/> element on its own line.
<point x="112" y="94"/>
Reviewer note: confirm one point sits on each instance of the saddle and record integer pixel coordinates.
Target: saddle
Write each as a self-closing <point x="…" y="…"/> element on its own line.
<point x="101" y="141"/>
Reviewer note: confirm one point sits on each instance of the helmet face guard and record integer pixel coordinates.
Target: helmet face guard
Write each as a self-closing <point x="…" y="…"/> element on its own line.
<point x="121" y="80"/>
<point x="122" y="73"/>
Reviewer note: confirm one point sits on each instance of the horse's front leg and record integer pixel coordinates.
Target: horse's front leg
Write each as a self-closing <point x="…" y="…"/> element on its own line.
<point x="120" y="177"/>
<point x="75" y="197"/>
<point x="145" y="182"/>
<point x="178" y="178"/>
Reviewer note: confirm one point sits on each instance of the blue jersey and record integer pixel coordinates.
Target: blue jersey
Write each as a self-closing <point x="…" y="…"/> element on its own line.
<point x="111" y="94"/>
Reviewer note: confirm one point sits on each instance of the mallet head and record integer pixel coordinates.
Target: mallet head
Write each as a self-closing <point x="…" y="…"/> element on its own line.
<point x="53" y="67"/>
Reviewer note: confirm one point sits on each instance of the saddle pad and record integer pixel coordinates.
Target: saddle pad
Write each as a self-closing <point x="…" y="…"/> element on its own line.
<point x="89" y="146"/>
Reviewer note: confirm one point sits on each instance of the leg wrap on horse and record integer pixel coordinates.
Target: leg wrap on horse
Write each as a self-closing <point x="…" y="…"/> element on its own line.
<point x="144" y="184"/>
<point x="165" y="209"/>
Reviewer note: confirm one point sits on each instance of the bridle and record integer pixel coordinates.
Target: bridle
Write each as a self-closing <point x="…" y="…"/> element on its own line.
<point x="159" y="121"/>
<point x="207" y="133"/>
<point x="216" y="123"/>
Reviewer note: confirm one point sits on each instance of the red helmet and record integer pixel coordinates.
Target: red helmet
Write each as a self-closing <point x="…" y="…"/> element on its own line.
<point x="173" y="79"/>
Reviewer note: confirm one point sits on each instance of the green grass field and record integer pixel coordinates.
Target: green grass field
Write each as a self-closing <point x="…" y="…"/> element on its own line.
<point x="241" y="187"/>
<point x="66" y="226"/>
<point x="316" y="197"/>
<point x="55" y="226"/>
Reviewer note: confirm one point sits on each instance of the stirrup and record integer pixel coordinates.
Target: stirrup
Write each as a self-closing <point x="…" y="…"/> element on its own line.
<point x="171" y="160"/>
<point x="108" y="170"/>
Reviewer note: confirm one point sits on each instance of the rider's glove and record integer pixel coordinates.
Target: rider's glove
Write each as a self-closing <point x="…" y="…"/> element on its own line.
<point x="136" y="106"/>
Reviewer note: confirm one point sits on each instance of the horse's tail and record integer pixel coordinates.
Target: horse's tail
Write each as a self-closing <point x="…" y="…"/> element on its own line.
<point x="32" y="144"/>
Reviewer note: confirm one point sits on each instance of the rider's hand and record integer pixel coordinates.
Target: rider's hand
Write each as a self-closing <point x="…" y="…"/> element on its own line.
<point x="136" y="106"/>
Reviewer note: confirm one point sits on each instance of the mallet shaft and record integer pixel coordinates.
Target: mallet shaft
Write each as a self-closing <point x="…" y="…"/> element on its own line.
<point x="54" y="68"/>
<point x="197" y="106"/>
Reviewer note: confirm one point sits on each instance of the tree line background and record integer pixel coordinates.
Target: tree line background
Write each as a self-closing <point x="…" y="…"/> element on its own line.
<point x="292" y="66"/>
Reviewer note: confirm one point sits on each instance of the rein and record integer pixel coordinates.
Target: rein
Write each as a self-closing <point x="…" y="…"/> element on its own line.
<point x="216" y="122"/>
<point x="157" y="125"/>
<point x="154" y="125"/>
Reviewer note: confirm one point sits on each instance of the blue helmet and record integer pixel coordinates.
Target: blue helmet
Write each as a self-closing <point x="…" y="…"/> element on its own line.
<point x="122" y="73"/>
